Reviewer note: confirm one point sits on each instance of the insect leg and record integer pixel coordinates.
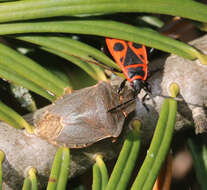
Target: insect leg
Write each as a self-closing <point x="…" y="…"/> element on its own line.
<point x="143" y="102"/>
<point x="147" y="88"/>
<point x="122" y="85"/>
<point x="145" y="106"/>
<point x="144" y="97"/>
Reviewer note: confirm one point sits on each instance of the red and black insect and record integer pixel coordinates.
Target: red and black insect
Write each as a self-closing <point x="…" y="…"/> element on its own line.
<point x="132" y="59"/>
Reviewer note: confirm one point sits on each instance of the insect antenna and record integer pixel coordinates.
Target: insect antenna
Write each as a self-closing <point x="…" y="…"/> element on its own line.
<point x="121" y="105"/>
<point x="177" y="99"/>
<point x="130" y="101"/>
<point x="98" y="63"/>
<point x="151" y="96"/>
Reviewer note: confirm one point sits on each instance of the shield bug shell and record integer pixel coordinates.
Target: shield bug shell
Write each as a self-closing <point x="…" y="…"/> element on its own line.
<point x="80" y="119"/>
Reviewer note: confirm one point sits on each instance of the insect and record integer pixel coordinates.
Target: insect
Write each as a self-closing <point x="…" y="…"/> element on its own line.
<point x="80" y="119"/>
<point x="132" y="59"/>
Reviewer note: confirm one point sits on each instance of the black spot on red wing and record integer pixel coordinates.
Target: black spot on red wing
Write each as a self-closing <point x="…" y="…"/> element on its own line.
<point x="137" y="46"/>
<point x="131" y="58"/>
<point x="135" y="71"/>
<point x="121" y="59"/>
<point x="141" y="56"/>
<point x="118" y="46"/>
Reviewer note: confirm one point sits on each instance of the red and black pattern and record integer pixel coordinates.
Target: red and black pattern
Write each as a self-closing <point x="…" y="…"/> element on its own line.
<point x="132" y="59"/>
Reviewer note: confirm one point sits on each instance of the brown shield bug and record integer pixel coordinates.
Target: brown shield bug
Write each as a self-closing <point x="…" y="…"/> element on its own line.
<point x="81" y="118"/>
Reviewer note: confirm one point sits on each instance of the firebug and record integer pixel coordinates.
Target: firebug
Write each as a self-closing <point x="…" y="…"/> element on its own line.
<point x="132" y="60"/>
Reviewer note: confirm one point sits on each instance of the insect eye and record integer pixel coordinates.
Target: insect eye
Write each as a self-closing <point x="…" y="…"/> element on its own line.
<point x="137" y="46"/>
<point x="118" y="46"/>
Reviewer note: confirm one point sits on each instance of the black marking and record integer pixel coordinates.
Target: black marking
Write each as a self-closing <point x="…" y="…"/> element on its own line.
<point x="131" y="72"/>
<point x="141" y="56"/>
<point x="137" y="71"/>
<point x="131" y="58"/>
<point x="118" y="47"/>
<point x="137" y="46"/>
<point x="121" y="59"/>
<point x="140" y="71"/>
